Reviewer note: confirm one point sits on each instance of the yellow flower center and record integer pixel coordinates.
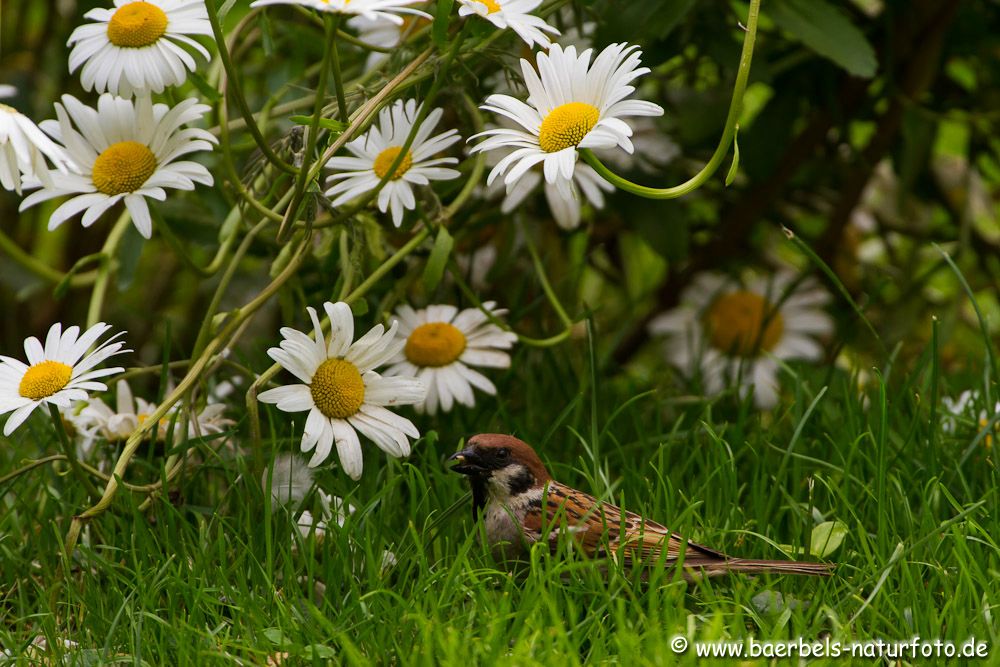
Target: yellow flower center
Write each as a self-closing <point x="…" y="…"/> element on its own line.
<point x="743" y="323"/>
<point x="491" y="6"/>
<point x="385" y="160"/>
<point x="44" y="379"/>
<point x="123" y="167"/>
<point x="136" y="25"/>
<point x="567" y="125"/>
<point x="337" y="389"/>
<point x="434" y="344"/>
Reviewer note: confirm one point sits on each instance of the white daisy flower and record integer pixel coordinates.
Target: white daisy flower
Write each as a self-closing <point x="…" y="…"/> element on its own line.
<point x="571" y="104"/>
<point x="733" y="332"/>
<point x="332" y="509"/>
<point x="342" y="392"/>
<point x="388" y="10"/>
<point x="513" y="14"/>
<point x="563" y="197"/>
<point x="58" y="373"/>
<point x="290" y="480"/>
<point x="124" y="151"/>
<point x="138" y="47"/>
<point x="378" y="32"/>
<point x="377" y="150"/>
<point x="384" y="34"/>
<point x="23" y="149"/>
<point x="653" y="150"/>
<point x="441" y="345"/>
<point x="97" y="420"/>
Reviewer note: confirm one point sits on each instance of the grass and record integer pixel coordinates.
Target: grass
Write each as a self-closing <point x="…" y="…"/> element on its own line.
<point x="212" y="577"/>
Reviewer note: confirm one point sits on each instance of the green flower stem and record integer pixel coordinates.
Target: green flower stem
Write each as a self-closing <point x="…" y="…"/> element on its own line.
<point x="346" y="265"/>
<point x="67" y="447"/>
<point x="28" y="467"/>
<point x="546" y="286"/>
<point x="478" y="166"/>
<point x="107" y="268"/>
<point x="338" y="82"/>
<point x="193" y="375"/>
<point x="306" y="175"/>
<point x="237" y="91"/>
<point x="40" y="268"/>
<point x="728" y="132"/>
<point x="36" y="463"/>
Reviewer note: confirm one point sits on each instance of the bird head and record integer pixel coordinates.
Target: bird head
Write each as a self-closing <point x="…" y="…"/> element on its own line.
<point x="502" y="463"/>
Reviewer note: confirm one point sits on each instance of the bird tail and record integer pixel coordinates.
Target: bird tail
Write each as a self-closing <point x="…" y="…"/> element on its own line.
<point x="718" y="567"/>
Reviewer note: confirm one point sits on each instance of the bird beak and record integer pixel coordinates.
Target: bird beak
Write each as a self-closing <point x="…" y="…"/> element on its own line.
<point x="467" y="462"/>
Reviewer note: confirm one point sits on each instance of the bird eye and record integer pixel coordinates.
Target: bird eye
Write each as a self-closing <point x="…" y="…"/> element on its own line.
<point x="503" y="454"/>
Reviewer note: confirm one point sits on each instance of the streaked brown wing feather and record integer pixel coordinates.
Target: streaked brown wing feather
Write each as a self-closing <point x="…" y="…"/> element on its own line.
<point x="604" y="530"/>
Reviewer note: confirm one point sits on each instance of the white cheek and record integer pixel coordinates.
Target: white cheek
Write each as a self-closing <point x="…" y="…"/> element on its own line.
<point x="500" y="481"/>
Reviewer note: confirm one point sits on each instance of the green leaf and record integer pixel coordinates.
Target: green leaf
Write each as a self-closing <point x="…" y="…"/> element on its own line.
<point x="826" y="30"/>
<point x="325" y="123"/>
<point x="319" y="652"/>
<point x="442" y="16"/>
<point x="277" y="637"/>
<point x="434" y="270"/>
<point x="207" y="91"/>
<point x="827" y="538"/>
<point x="360" y="307"/>
<point x="735" y="166"/>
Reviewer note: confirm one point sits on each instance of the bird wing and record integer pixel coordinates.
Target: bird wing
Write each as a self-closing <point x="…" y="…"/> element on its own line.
<point x="604" y="530"/>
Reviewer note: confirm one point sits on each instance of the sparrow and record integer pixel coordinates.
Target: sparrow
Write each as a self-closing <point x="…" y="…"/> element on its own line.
<point x="521" y="504"/>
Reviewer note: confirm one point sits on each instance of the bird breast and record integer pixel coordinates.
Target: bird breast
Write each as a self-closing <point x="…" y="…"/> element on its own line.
<point x="504" y="519"/>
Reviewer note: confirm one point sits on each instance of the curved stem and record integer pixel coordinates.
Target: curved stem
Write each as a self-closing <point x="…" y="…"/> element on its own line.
<point x="28" y="467"/>
<point x="463" y="286"/>
<point x="544" y="280"/>
<point x="728" y="132"/>
<point x="106" y="269"/>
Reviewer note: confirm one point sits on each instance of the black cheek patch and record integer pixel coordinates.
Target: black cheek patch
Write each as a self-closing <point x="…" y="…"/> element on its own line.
<point x="522" y="482"/>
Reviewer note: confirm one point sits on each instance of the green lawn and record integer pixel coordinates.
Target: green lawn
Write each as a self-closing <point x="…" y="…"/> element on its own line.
<point x="211" y="577"/>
